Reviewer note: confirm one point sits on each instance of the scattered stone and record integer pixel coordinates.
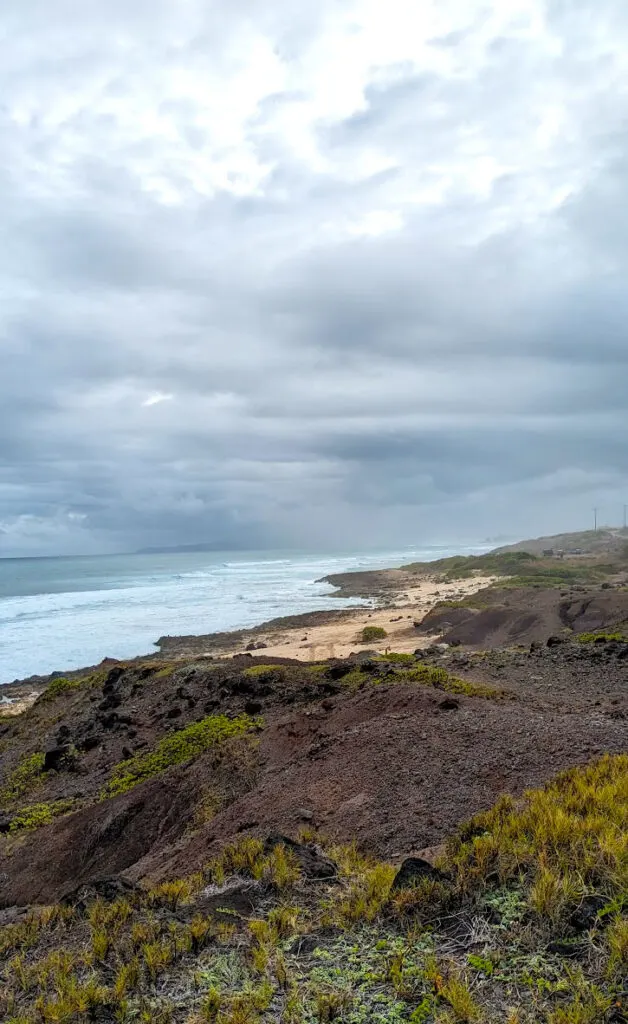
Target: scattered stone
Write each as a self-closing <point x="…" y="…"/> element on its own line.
<point x="253" y="707"/>
<point x="5" y="823"/>
<point x="305" y="814"/>
<point x="554" y="641"/>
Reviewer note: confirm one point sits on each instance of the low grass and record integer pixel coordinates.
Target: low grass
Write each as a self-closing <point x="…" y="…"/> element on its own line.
<point x="561" y="842"/>
<point x="491" y="942"/>
<point x="175" y="749"/>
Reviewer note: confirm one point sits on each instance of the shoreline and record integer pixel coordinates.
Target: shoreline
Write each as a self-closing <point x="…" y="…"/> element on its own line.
<point x="398" y="599"/>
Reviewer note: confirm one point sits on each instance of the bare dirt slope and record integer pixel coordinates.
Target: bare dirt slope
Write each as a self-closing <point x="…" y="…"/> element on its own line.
<point x="362" y="751"/>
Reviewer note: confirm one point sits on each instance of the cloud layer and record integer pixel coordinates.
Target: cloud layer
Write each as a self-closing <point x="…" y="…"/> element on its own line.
<point x="355" y="274"/>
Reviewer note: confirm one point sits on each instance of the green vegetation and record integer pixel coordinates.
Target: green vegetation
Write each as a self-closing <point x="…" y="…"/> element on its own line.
<point x="370" y="633"/>
<point x="425" y="675"/>
<point x="522" y="569"/>
<point x="175" y="749"/>
<point x="528" y="927"/>
<point x="561" y="843"/>
<point x="62" y="685"/>
<point x="262" y="670"/>
<point x="600" y="638"/>
<point x="397" y="658"/>
<point x="23" y="779"/>
<point x="461" y="567"/>
<point x="35" y="816"/>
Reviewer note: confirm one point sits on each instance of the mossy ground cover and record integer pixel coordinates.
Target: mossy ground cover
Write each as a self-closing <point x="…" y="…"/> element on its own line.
<point x="405" y="669"/>
<point x="521" y="568"/>
<point x="22" y="779"/>
<point x="64" y="686"/>
<point x="175" y="749"/>
<point x="34" y="816"/>
<point x="502" y="940"/>
<point x="602" y="638"/>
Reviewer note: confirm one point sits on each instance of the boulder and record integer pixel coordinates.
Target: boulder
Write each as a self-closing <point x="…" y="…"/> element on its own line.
<point x="313" y="862"/>
<point x="61" y="758"/>
<point x="449" y="704"/>
<point x="107" y="889"/>
<point x="415" y="869"/>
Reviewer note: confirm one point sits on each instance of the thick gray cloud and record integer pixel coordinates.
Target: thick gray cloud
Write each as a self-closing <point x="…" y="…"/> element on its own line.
<point x="352" y="273"/>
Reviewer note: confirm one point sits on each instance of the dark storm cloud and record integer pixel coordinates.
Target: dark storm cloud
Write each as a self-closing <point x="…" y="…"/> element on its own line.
<point x="302" y="277"/>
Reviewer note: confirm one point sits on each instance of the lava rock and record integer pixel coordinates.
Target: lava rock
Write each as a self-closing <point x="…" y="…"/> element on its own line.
<point x="339" y="671"/>
<point x="312" y="861"/>
<point x="59" y="758"/>
<point x="586" y="913"/>
<point x="89" y="742"/>
<point x="449" y="704"/>
<point x="107" y="889"/>
<point x="413" y="870"/>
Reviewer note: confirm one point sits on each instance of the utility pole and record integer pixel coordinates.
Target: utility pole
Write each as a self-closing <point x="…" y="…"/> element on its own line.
<point x="625" y="513"/>
<point x="595" y="519"/>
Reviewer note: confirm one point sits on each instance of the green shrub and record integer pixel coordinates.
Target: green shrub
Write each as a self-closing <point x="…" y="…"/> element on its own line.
<point x="595" y="638"/>
<point x="37" y="815"/>
<point x="260" y="670"/>
<point x="175" y="749"/>
<point x="23" y="778"/>
<point x="373" y="633"/>
<point x="62" y="685"/>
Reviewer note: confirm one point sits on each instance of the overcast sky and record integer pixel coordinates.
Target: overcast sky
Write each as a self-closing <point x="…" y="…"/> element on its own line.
<point x="345" y="272"/>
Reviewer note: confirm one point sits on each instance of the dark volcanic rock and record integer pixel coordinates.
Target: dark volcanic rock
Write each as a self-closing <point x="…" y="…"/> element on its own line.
<point x="312" y="861"/>
<point x="449" y="704"/>
<point x="107" y="889"/>
<point x="60" y="758"/>
<point x="413" y="870"/>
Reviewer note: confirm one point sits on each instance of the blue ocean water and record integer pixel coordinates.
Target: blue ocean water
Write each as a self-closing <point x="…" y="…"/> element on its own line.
<point x="62" y="613"/>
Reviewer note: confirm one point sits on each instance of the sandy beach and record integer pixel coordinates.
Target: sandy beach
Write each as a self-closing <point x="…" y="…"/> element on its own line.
<point x="398" y="600"/>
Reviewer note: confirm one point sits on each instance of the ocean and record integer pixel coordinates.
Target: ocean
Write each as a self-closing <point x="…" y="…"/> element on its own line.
<point x="58" y="614"/>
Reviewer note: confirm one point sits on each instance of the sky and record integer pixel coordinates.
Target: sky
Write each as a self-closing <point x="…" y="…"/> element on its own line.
<point x="340" y="272"/>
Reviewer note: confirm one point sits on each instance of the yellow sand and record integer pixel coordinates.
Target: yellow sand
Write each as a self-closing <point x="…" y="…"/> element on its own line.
<point x="339" y="638"/>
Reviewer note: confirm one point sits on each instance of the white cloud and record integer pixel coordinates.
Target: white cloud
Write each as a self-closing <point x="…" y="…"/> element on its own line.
<point x="364" y="257"/>
<point x="156" y="399"/>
